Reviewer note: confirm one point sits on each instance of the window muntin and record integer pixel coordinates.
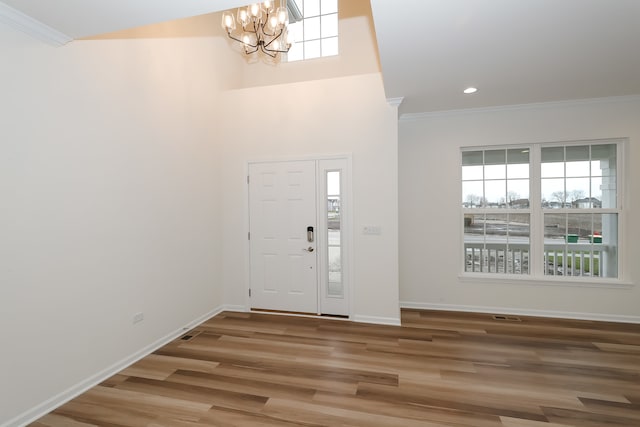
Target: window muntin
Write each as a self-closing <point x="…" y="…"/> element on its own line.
<point x="575" y="245"/>
<point x="574" y="177"/>
<point x="497" y="242"/>
<point x="317" y="34"/>
<point x="576" y="209"/>
<point x="495" y="178"/>
<point x="582" y="241"/>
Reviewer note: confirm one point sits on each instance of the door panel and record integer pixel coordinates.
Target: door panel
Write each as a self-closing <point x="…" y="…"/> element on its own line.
<point x="282" y="204"/>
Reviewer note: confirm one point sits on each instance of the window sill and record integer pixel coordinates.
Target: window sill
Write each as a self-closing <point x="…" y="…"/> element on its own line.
<point x="580" y="282"/>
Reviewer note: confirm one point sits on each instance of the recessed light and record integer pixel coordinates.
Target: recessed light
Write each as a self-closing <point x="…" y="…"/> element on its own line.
<point x="470" y="90"/>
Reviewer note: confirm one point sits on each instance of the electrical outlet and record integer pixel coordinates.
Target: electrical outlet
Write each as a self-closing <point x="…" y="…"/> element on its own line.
<point x="138" y="317"/>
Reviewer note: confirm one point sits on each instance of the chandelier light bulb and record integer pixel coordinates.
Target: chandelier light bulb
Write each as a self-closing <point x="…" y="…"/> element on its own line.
<point x="228" y="22"/>
<point x="243" y="17"/>
<point x="273" y="22"/>
<point x="254" y="10"/>
<point x="283" y="15"/>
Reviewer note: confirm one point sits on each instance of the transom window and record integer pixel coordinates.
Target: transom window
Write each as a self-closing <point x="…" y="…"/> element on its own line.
<point x="542" y="210"/>
<point x="316" y="35"/>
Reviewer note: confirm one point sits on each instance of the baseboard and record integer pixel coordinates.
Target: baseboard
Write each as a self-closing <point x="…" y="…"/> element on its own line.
<point x="62" y="398"/>
<point x="523" y="312"/>
<point x="390" y="321"/>
<point x="231" y="307"/>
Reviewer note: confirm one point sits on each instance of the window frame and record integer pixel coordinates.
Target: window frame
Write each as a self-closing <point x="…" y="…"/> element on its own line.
<point x="536" y="220"/>
<point x="319" y="39"/>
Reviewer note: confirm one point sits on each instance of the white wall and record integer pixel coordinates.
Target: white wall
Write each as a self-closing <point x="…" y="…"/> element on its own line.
<point x="322" y="117"/>
<point x="110" y="205"/>
<point x="430" y="221"/>
<point x="122" y="172"/>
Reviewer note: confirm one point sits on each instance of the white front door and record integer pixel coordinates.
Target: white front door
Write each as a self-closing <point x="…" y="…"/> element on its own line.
<point x="282" y="211"/>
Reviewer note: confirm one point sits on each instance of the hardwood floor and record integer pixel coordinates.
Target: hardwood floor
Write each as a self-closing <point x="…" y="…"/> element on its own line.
<point x="438" y="369"/>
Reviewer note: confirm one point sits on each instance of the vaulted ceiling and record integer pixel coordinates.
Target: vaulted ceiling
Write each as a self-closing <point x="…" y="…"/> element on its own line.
<point x="514" y="52"/>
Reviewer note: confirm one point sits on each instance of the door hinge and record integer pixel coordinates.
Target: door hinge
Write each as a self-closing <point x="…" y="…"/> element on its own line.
<point x="249" y="292"/>
<point x="249" y="235"/>
<point x="247" y="179"/>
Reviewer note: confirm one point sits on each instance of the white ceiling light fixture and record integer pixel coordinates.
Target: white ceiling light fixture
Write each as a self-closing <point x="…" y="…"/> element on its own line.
<point x="470" y="90"/>
<point x="264" y="28"/>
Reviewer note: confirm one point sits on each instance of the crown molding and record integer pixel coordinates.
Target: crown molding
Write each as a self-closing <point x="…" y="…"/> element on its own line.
<point x="32" y="27"/>
<point x="535" y="105"/>
<point x="395" y="102"/>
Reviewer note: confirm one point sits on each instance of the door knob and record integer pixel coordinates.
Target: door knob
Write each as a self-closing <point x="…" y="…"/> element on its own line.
<point x="309" y="249"/>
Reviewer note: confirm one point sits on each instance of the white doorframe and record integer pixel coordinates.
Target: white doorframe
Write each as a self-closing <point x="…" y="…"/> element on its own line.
<point x="347" y="218"/>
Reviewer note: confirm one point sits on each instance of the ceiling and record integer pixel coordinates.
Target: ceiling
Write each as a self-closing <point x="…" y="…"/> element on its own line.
<point x="513" y="51"/>
<point x="83" y="18"/>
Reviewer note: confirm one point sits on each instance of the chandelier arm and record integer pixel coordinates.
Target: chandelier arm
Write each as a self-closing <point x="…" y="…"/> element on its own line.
<point x="266" y="51"/>
<point x="232" y="37"/>
<point x="274" y="38"/>
<point x="263" y="25"/>
<point x="276" y="50"/>
<point x="249" y="52"/>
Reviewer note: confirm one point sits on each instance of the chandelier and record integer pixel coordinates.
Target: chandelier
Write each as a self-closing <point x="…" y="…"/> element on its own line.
<point x="264" y="28"/>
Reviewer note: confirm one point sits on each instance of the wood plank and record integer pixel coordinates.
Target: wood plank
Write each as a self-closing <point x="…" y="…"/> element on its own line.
<point x="437" y="369"/>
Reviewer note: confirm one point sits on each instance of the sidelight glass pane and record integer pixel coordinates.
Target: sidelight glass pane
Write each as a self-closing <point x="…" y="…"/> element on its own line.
<point x="335" y="262"/>
<point x="335" y="286"/>
<point x="333" y="183"/>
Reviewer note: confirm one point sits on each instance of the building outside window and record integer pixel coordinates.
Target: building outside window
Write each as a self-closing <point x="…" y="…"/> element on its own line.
<point x="316" y="35"/>
<point x="542" y="210"/>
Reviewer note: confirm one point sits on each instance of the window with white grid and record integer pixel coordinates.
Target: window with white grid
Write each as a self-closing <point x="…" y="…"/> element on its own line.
<point x="543" y="209"/>
<point x="316" y="35"/>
